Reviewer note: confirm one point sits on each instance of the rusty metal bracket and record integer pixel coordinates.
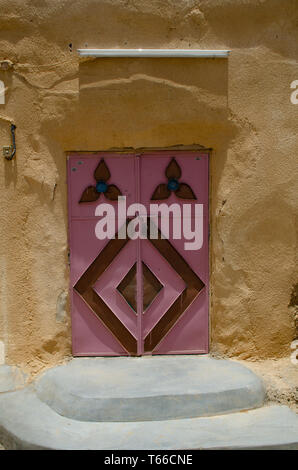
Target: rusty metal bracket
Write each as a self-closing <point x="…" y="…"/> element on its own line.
<point x="9" y="152"/>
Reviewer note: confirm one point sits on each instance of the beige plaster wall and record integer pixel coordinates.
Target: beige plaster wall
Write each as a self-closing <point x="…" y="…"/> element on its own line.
<point x="240" y="107"/>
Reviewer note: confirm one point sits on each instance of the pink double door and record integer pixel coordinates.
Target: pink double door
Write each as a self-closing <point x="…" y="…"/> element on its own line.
<point x="139" y="285"/>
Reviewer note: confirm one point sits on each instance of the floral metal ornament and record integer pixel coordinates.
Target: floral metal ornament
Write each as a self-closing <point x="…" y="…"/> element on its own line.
<point x="102" y="175"/>
<point x="164" y="190"/>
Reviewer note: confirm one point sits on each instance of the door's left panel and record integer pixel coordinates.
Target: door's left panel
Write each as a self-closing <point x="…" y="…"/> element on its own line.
<point x="103" y="323"/>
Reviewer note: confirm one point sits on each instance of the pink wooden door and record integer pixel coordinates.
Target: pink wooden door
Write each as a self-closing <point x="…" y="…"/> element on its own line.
<point x="145" y="295"/>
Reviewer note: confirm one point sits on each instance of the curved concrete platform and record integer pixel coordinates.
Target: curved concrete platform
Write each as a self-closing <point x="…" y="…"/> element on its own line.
<point x="149" y="388"/>
<point x="28" y="423"/>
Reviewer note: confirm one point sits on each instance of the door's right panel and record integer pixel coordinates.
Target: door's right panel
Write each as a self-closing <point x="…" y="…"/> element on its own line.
<point x="176" y="322"/>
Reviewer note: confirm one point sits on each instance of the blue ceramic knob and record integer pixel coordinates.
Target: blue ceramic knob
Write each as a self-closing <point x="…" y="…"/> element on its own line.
<point x="173" y="185"/>
<point x="101" y="187"/>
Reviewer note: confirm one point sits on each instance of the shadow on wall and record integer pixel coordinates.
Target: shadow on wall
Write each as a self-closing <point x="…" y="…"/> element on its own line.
<point x="152" y="102"/>
<point x="140" y="102"/>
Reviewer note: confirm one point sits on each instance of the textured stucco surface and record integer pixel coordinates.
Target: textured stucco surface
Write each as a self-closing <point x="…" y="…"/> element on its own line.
<point x="280" y="380"/>
<point x="239" y="107"/>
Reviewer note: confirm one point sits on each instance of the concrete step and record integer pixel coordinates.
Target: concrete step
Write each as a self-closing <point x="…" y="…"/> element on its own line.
<point x="28" y="423"/>
<point x="149" y="388"/>
<point x="11" y="378"/>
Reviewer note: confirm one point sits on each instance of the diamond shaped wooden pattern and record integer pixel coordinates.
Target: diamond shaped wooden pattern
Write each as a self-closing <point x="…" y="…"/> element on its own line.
<point x="84" y="287"/>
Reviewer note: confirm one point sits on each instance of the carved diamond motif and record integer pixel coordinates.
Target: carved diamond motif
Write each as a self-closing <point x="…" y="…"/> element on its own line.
<point x="128" y="287"/>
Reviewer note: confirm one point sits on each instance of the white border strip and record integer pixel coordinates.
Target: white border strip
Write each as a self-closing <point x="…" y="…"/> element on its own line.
<point x="152" y="53"/>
